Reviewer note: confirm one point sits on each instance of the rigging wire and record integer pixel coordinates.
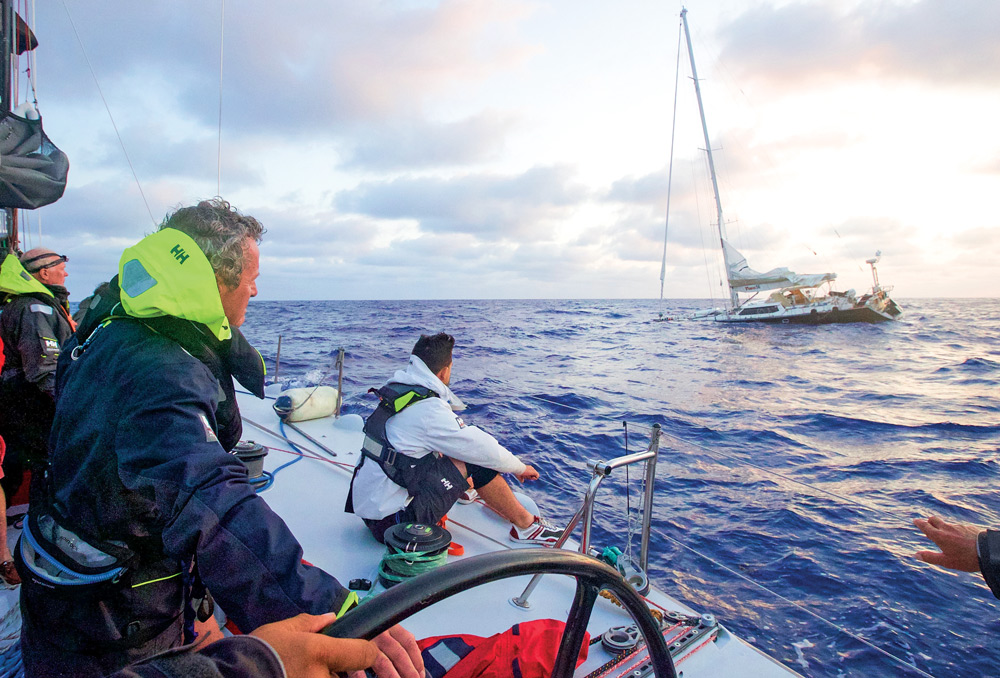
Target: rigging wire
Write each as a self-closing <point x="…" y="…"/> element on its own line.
<point x="93" y="73"/>
<point x="717" y="453"/>
<point x="222" y="52"/>
<point x="729" y="570"/>
<point x="856" y="502"/>
<point x="31" y="71"/>
<point x="670" y="171"/>
<point x="299" y="454"/>
<point x="701" y="234"/>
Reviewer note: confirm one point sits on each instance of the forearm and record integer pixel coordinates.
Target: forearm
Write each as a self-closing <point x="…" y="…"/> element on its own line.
<point x="475" y="446"/>
<point x="233" y="657"/>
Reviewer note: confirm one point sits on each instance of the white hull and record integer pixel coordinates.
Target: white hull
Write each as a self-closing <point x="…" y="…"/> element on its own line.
<point x="836" y="308"/>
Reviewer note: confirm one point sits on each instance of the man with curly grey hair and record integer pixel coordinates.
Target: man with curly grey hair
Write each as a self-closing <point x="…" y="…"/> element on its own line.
<point x="230" y="242"/>
<point x="146" y="510"/>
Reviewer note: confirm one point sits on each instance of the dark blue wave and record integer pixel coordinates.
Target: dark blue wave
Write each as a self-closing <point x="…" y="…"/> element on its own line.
<point x="796" y="457"/>
<point x="973" y="365"/>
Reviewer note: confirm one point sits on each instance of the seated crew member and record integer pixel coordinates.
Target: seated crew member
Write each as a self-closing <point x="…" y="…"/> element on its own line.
<point x="143" y="492"/>
<point x="34" y="323"/>
<point x="419" y="456"/>
<point x="966" y="548"/>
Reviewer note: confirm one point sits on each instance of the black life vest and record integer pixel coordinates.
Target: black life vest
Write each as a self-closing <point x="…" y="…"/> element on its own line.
<point x="401" y="469"/>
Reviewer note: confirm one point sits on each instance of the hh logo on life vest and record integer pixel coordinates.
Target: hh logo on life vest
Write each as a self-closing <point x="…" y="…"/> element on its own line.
<point x="179" y="253"/>
<point x="447" y="485"/>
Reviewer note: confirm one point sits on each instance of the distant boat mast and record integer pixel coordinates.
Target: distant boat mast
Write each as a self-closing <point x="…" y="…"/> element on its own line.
<point x="733" y="297"/>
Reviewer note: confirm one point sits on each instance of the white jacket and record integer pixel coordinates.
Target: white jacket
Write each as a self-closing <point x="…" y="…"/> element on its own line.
<point x="427" y="426"/>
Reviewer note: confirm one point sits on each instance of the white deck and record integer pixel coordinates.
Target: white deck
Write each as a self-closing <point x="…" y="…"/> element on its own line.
<point x="310" y="495"/>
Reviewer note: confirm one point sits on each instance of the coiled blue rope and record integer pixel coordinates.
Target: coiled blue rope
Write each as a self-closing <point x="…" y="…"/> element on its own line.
<point x="11" y="663"/>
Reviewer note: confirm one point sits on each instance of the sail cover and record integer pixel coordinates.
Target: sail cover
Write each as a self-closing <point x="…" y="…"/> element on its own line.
<point x="742" y="278"/>
<point x="32" y="170"/>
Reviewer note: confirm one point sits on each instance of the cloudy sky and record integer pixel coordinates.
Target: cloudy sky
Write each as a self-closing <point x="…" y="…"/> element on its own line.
<point x="519" y="148"/>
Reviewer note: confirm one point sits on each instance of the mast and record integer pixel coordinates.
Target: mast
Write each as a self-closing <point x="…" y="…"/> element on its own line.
<point x="8" y="226"/>
<point x="733" y="297"/>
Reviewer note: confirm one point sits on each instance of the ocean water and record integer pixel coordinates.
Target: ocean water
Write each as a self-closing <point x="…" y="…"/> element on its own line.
<point x="793" y="462"/>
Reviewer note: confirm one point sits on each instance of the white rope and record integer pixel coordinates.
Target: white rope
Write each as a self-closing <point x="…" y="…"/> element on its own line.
<point x="93" y="73"/>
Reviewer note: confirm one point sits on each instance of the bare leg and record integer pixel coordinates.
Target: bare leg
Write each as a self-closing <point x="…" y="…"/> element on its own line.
<point x="7" y="571"/>
<point x="499" y="497"/>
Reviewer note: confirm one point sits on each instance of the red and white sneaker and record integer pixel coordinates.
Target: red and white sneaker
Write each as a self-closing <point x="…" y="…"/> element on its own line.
<point x="468" y="497"/>
<point x="539" y="532"/>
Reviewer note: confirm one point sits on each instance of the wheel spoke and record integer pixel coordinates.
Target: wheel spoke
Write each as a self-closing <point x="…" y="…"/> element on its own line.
<point x="576" y="627"/>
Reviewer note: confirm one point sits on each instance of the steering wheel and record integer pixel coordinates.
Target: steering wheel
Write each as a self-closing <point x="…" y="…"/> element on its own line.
<point x="592" y="576"/>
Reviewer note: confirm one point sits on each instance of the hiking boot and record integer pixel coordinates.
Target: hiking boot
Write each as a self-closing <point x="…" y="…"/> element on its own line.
<point x="468" y="497"/>
<point x="539" y="532"/>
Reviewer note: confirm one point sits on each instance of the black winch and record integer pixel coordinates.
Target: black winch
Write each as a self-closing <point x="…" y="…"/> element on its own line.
<point x="252" y="455"/>
<point x="412" y="548"/>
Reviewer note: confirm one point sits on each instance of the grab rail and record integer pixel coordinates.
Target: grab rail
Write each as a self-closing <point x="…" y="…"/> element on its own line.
<point x="599" y="471"/>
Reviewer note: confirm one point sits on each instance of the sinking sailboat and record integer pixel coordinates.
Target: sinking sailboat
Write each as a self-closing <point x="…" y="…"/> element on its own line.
<point x="794" y="298"/>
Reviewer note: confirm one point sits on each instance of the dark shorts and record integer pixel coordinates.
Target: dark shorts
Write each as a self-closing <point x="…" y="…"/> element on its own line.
<point x="444" y="485"/>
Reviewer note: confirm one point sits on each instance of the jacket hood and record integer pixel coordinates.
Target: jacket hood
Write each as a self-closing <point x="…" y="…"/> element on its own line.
<point x="167" y="274"/>
<point x="15" y="280"/>
<point x="418" y="374"/>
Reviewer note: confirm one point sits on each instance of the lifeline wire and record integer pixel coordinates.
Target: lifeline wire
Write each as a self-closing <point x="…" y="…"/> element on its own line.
<point x="740" y="460"/>
<point x="417" y="557"/>
<point x="729" y="570"/>
<point x="108" y="109"/>
<point x="848" y="500"/>
<point x="801" y="607"/>
<point x="761" y="586"/>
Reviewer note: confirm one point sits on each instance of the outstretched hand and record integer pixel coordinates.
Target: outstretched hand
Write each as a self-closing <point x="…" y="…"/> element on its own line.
<point x="529" y="474"/>
<point x="956" y="541"/>
<point x="307" y="653"/>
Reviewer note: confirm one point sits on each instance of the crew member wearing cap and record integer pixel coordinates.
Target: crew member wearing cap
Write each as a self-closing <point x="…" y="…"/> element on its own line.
<point x="34" y="322"/>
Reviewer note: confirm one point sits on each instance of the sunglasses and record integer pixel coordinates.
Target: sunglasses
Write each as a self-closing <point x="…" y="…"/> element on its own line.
<point x="56" y="260"/>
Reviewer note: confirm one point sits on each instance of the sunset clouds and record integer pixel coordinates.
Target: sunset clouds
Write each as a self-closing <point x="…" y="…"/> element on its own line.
<point x="486" y="148"/>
